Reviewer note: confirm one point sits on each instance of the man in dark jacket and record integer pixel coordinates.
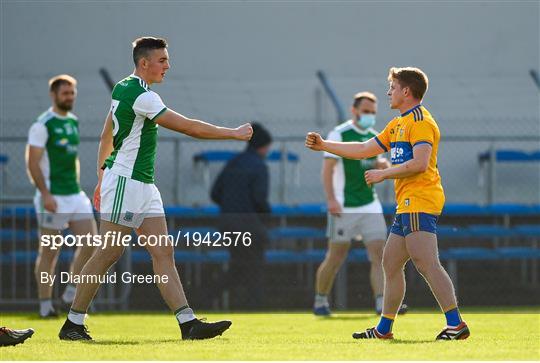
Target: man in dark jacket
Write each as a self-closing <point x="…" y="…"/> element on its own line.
<point x="241" y="191"/>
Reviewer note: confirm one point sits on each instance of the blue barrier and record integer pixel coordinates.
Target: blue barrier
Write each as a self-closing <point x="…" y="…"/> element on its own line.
<point x="302" y="232"/>
<point x="319" y="209"/>
<point x="307" y="256"/>
<point x="25" y="256"/>
<point x="296" y="233"/>
<point x="470" y="253"/>
<point x="445" y="231"/>
<point x="528" y="230"/>
<point x="518" y="252"/>
<point x="511" y="155"/>
<point x="213" y="156"/>
<point x="17" y="235"/>
<point x="489" y="231"/>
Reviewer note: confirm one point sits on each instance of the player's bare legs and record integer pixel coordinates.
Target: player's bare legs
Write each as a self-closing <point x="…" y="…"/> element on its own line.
<point x="422" y="247"/>
<point x="46" y="263"/>
<point x="326" y="273"/>
<point x="395" y="256"/>
<point x="163" y="262"/>
<point x="172" y="291"/>
<point x="98" y="265"/>
<point x="82" y="253"/>
<point x="376" y="276"/>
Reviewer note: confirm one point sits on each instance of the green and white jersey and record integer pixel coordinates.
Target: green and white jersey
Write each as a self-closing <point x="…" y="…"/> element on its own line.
<point x="134" y="108"/>
<point x="59" y="136"/>
<point x="350" y="188"/>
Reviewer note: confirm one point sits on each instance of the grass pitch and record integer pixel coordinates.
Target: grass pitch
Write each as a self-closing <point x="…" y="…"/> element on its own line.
<point x="496" y="334"/>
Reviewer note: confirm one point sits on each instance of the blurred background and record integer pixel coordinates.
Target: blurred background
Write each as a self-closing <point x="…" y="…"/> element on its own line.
<point x="238" y="61"/>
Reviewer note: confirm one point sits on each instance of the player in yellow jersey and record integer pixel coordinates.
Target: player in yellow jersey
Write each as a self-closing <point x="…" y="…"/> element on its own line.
<point x="412" y="139"/>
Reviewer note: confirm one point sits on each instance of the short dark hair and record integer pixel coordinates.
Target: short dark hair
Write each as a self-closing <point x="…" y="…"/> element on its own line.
<point x="143" y="45"/>
<point x="411" y="77"/>
<point x="363" y="96"/>
<point x="57" y="81"/>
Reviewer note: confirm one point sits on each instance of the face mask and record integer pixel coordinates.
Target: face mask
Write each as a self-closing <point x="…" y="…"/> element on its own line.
<point x="366" y="121"/>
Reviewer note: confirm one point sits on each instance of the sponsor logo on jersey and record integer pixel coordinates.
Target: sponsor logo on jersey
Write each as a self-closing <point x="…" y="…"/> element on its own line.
<point x="407" y="202"/>
<point x="396" y="153"/>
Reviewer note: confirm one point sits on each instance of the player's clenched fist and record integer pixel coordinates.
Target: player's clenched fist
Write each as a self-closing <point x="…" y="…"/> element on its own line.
<point x="314" y="141"/>
<point x="374" y="176"/>
<point x="244" y="132"/>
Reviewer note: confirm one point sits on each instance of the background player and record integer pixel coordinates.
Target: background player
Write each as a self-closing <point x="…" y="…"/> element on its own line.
<point x="126" y="193"/>
<point x="353" y="206"/>
<point x="53" y="166"/>
<point x="413" y="139"/>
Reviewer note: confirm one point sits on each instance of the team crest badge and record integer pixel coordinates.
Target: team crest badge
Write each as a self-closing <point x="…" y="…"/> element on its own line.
<point x="128" y="217"/>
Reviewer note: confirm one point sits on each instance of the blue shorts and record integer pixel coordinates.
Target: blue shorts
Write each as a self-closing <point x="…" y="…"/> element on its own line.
<point x="406" y="223"/>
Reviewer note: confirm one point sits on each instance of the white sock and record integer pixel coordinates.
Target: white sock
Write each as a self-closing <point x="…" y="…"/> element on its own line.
<point x="321" y="300"/>
<point x="69" y="294"/>
<point x="379" y="303"/>
<point x="76" y="317"/>
<point x="185" y="315"/>
<point x="45" y="306"/>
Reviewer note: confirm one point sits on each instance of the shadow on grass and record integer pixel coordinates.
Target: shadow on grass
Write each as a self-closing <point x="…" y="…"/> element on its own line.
<point x="110" y="342"/>
<point x="410" y="341"/>
<point x="347" y="317"/>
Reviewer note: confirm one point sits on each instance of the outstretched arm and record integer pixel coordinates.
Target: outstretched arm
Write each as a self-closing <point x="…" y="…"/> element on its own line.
<point x="348" y="150"/>
<point x="200" y="129"/>
<point x="105" y="149"/>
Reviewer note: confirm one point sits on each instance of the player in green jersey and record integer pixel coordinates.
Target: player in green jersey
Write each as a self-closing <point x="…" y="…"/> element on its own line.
<point x="53" y="166"/>
<point x="126" y="194"/>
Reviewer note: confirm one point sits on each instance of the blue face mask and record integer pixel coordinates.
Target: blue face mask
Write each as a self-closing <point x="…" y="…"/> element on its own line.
<point x="366" y="121"/>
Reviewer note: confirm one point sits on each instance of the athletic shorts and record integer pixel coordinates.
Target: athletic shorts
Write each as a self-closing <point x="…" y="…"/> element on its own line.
<point x="73" y="207"/>
<point x="128" y="202"/>
<point x="406" y="223"/>
<point x="368" y="227"/>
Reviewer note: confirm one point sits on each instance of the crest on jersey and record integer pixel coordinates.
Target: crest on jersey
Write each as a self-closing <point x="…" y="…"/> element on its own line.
<point x="128" y="217"/>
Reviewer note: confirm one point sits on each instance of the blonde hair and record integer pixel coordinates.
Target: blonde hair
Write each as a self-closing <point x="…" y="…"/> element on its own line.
<point x="411" y="77"/>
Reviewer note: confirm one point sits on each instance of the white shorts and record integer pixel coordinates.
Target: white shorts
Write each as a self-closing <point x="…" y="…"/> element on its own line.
<point x="128" y="202"/>
<point x="74" y="207"/>
<point x="364" y="223"/>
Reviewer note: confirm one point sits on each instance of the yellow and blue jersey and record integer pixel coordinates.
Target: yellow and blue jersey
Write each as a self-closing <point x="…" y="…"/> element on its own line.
<point x="422" y="192"/>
